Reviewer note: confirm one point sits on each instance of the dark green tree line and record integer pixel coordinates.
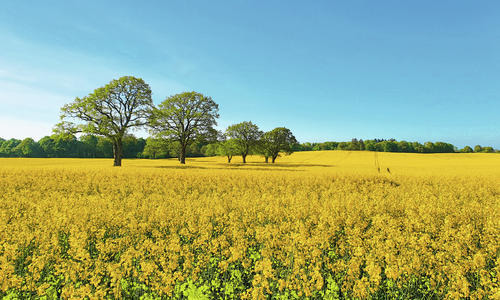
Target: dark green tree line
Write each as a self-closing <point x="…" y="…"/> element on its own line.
<point x="391" y="145"/>
<point x="86" y="146"/>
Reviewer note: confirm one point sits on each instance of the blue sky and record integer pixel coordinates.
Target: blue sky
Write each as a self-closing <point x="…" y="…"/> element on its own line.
<point x="328" y="70"/>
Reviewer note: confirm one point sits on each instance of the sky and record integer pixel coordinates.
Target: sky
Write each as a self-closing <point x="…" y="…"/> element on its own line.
<point x="327" y="70"/>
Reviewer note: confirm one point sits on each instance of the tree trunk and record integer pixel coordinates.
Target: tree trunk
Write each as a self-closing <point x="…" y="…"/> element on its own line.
<point x="117" y="153"/>
<point x="244" y="156"/>
<point x="229" y="157"/>
<point x="182" y="156"/>
<point x="274" y="158"/>
<point x="267" y="159"/>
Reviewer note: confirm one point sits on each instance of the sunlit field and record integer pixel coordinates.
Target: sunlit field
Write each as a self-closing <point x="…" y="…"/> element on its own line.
<point x="318" y="225"/>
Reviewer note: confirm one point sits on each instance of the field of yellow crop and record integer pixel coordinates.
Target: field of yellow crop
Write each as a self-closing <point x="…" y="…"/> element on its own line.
<point x="317" y="225"/>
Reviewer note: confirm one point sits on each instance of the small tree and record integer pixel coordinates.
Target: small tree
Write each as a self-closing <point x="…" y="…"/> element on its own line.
<point x="227" y="148"/>
<point x="110" y="111"/>
<point x="246" y="136"/>
<point x="184" y="118"/>
<point x="467" y="149"/>
<point x="478" y="148"/>
<point x="278" y="140"/>
<point x="488" y="150"/>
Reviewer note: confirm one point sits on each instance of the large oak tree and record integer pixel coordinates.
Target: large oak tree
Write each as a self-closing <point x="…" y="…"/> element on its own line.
<point x="184" y="118"/>
<point x="110" y="111"/>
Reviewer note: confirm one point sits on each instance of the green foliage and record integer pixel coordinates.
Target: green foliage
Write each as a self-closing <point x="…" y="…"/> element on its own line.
<point x="184" y="118"/>
<point x="246" y="136"/>
<point x="109" y="111"/>
<point x="132" y="146"/>
<point x="467" y="149"/>
<point x="227" y="148"/>
<point x="214" y="282"/>
<point x="488" y="150"/>
<point x="28" y="148"/>
<point x="7" y="148"/>
<point x="278" y="140"/>
<point x="389" y="146"/>
<point x="210" y="149"/>
<point x="92" y="146"/>
<point x="188" y="290"/>
<point x="154" y="148"/>
<point x="87" y="146"/>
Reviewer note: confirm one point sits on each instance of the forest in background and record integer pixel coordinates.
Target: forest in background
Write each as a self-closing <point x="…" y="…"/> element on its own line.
<point x="92" y="146"/>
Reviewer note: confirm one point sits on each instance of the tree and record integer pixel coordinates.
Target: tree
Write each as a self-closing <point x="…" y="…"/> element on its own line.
<point x="28" y="148"/>
<point x="467" y="149"/>
<point x="389" y="146"/>
<point x="278" y="140"/>
<point x="488" y="150"/>
<point x="418" y="147"/>
<point x="370" y="145"/>
<point x="404" y="146"/>
<point x="361" y="145"/>
<point x="227" y="148"/>
<point x="65" y="145"/>
<point x="354" y="144"/>
<point x="343" y="146"/>
<point x="183" y="118"/>
<point x="478" y="148"/>
<point x="7" y="148"/>
<point x="441" y="147"/>
<point x="327" y="146"/>
<point x="429" y="147"/>
<point x="48" y="146"/>
<point x="246" y="135"/>
<point x="110" y="111"/>
<point x="306" y="147"/>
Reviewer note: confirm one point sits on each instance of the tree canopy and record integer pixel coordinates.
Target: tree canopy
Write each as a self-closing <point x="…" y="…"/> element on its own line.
<point x="109" y="111"/>
<point x="278" y="140"/>
<point x="246" y="136"/>
<point x="227" y="148"/>
<point x="184" y="118"/>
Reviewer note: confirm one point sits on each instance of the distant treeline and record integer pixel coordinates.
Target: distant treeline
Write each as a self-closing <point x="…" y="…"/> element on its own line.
<point x="87" y="146"/>
<point x="391" y="145"/>
<point x="91" y="146"/>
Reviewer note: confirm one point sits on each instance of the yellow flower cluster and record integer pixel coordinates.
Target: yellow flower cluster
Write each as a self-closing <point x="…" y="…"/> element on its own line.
<point x="315" y="225"/>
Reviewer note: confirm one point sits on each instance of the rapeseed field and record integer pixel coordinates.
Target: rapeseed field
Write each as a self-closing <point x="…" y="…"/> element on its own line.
<point x="315" y="225"/>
